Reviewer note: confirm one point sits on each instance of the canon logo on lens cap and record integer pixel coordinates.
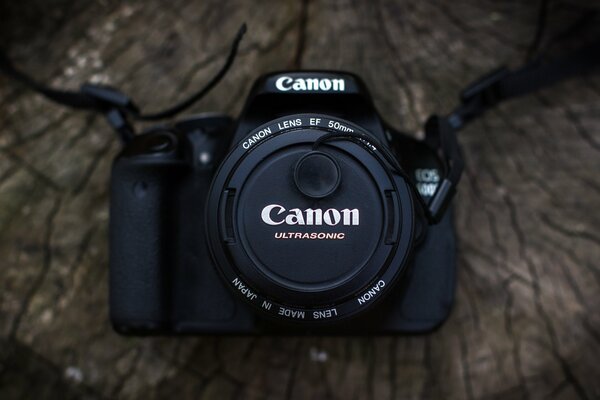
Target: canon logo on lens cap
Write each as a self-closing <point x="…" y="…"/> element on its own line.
<point x="272" y="215"/>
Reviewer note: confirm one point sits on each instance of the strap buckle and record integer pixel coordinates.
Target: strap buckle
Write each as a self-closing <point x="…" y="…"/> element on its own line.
<point x="485" y="89"/>
<point x="478" y="97"/>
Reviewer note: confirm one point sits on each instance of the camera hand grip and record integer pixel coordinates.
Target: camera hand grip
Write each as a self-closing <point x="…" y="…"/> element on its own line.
<point x="141" y="240"/>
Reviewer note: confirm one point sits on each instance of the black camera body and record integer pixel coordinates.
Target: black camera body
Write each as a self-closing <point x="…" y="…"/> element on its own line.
<point x="289" y="220"/>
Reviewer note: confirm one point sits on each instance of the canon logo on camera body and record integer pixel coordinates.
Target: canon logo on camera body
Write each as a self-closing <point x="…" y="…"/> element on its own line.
<point x="286" y="83"/>
<point x="272" y="215"/>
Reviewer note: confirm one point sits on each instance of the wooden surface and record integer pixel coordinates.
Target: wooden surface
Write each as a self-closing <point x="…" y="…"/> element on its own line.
<point x="526" y="323"/>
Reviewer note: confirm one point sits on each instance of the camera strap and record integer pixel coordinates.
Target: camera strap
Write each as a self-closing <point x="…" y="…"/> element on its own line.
<point x="486" y="92"/>
<point x="502" y="84"/>
<point x="116" y="105"/>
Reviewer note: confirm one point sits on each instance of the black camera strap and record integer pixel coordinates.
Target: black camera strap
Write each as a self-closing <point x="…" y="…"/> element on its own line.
<point x="484" y="93"/>
<point x="116" y="105"/>
<point x="502" y="84"/>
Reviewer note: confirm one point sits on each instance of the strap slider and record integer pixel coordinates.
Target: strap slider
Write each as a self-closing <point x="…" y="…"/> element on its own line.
<point x="110" y="98"/>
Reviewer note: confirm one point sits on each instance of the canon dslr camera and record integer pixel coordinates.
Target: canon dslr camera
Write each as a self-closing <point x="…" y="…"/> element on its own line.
<point x="306" y="215"/>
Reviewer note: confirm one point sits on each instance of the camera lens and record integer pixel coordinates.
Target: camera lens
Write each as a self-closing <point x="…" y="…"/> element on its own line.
<point x="309" y="235"/>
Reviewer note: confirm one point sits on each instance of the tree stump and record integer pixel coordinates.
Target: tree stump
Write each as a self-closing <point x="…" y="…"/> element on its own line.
<point x="526" y="323"/>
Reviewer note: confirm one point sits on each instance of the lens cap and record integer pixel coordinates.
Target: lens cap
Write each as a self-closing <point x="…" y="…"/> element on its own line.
<point x="308" y="234"/>
<point x="301" y="243"/>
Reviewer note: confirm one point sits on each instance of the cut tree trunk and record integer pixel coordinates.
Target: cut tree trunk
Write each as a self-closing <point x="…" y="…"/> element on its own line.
<point x="526" y="322"/>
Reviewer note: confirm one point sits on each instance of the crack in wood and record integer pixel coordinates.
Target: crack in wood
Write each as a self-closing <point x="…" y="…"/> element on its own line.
<point x="301" y="35"/>
<point x="45" y="267"/>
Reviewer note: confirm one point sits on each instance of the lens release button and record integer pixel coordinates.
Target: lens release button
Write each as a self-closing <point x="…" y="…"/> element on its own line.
<point x="317" y="174"/>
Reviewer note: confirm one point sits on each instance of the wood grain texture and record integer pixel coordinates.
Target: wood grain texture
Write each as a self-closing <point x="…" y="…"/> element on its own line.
<point x="526" y="323"/>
